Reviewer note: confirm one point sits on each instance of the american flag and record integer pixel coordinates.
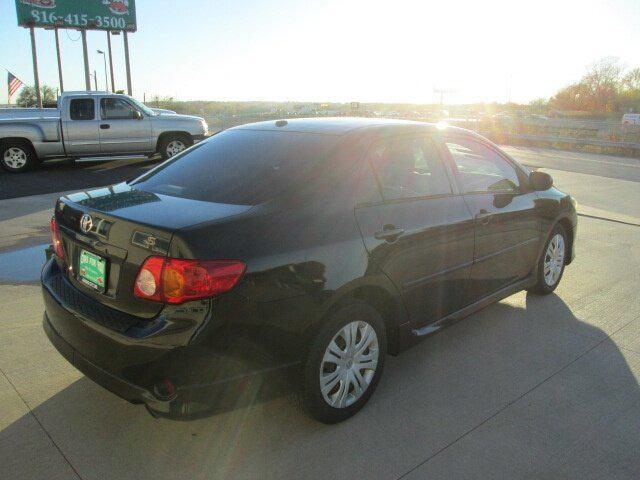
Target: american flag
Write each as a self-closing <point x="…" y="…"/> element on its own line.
<point x="13" y="83"/>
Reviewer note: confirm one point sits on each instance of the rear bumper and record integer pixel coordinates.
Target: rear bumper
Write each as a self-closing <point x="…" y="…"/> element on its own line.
<point x="208" y="376"/>
<point x="114" y="384"/>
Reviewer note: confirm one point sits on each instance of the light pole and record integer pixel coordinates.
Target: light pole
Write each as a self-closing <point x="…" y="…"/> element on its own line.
<point x="104" y="57"/>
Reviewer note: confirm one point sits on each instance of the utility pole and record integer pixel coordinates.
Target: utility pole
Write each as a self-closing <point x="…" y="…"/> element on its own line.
<point x="36" y="78"/>
<point x="59" y="61"/>
<point x="127" y="64"/>
<point x="113" y="86"/>
<point x="442" y="91"/>
<point x="87" y="80"/>
<point x="95" y="80"/>
<point x="104" y="57"/>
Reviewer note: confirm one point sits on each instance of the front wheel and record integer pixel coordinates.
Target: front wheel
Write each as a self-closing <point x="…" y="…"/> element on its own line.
<point x="17" y="156"/>
<point x="344" y="363"/>
<point x="173" y="144"/>
<point x="552" y="262"/>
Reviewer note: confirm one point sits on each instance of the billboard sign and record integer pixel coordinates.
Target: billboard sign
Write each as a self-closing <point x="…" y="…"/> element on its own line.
<point x="85" y="14"/>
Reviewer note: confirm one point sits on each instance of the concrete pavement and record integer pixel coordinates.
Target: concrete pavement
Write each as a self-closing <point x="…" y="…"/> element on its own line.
<point x="531" y="387"/>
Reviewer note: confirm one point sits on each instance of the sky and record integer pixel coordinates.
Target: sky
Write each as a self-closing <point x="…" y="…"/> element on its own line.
<point x="342" y="51"/>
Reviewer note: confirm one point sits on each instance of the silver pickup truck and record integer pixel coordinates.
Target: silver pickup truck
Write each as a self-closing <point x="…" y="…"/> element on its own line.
<point x="92" y="124"/>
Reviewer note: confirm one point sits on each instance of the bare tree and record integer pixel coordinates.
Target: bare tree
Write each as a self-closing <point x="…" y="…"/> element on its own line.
<point x="631" y="80"/>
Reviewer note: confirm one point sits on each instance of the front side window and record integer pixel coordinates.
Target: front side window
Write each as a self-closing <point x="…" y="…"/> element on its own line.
<point x="116" y="109"/>
<point x="409" y="167"/>
<point x="479" y="168"/>
<point x="82" y="109"/>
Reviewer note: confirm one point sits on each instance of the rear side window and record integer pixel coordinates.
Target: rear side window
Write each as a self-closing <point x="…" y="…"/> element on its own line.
<point x="409" y="167"/>
<point x="242" y="167"/>
<point x="116" y="109"/>
<point x="82" y="109"/>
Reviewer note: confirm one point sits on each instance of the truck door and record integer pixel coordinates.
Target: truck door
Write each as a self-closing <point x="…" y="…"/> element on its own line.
<point x="81" y="127"/>
<point x="123" y="128"/>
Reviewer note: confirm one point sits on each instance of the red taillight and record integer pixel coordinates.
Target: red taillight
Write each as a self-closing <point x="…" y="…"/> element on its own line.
<point x="56" y="240"/>
<point x="176" y="280"/>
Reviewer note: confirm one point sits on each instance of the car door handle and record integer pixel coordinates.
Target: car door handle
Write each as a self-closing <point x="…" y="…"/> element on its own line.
<point x="105" y="126"/>
<point x="483" y="217"/>
<point x="389" y="233"/>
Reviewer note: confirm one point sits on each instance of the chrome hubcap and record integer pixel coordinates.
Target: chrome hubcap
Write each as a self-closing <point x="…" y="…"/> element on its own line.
<point x="15" y="157"/>
<point x="349" y="364"/>
<point x="554" y="260"/>
<point x="174" y="147"/>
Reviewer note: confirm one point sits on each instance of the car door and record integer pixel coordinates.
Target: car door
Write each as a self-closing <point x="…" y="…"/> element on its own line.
<point x="503" y="205"/>
<point x="420" y="233"/>
<point x="81" y="127"/>
<point x="124" y="128"/>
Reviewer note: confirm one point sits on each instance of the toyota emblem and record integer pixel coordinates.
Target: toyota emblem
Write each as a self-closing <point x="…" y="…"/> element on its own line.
<point x="86" y="222"/>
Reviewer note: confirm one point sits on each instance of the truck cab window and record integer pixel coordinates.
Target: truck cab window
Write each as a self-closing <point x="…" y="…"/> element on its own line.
<point x="116" y="109"/>
<point x="82" y="109"/>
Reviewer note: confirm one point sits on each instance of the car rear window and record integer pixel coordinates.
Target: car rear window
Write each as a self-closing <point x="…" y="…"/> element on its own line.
<point x="241" y="167"/>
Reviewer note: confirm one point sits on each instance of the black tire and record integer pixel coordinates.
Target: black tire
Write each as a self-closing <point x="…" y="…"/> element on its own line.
<point x="17" y="156"/>
<point x="542" y="286"/>
<point x="165" y="142"/>
<point x="312" y="396"/>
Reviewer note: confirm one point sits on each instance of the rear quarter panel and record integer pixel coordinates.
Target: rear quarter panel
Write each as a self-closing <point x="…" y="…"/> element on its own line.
<point x="43" y="133"/>
<point x="304" y="255"/>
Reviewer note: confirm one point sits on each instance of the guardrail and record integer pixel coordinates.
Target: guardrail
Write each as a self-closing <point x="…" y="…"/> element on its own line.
<point x="565" y="140"/>
<point x="604" y="136"/>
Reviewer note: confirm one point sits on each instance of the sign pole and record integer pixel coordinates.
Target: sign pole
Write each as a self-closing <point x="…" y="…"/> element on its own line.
<point x="126" y="60"/>
<point x="113" y="87"/>
<point x="36" y="79"/>
<point x="59" y="61"/>
<point x="87" y="79"/>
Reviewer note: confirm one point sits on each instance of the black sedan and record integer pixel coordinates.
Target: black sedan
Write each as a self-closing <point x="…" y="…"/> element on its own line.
<point x="305" y="249"/>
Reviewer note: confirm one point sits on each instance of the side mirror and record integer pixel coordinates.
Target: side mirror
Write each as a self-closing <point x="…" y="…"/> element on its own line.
<point x="137" y="115"/>
<point x="540" y="181"/>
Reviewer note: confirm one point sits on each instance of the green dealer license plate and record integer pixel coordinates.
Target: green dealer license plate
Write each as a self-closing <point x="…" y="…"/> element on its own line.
<point x="92" y="270"/>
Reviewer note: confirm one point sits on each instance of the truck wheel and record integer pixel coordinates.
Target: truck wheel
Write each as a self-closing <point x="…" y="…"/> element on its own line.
<point x="16" y="156"/>
<point x="173" y="144"/>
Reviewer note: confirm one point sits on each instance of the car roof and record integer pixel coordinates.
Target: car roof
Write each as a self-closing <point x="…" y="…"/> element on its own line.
<point x="338" y="125"/>
<point x="92" y="93"/>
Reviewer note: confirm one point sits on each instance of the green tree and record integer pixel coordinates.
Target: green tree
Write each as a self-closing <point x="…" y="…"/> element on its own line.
<point x="27" y="96"/>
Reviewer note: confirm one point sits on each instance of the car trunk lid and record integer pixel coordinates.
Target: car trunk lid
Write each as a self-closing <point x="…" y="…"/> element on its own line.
<point x="108" y="233"/>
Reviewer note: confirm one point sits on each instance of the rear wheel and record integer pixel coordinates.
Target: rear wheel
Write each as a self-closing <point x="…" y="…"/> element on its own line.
<point x="552" y="262"/>
<point x="17" y="156"/>
<point x="344" y="363"/>
<point x="173" y="144"/>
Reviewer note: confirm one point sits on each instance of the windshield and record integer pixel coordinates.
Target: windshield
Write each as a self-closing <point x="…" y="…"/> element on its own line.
<point x="243" y="167"/>
<point x="143" y="107"/>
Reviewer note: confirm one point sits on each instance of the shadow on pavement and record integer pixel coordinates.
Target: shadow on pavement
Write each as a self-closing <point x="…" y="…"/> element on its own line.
<point x="429" y="397"/>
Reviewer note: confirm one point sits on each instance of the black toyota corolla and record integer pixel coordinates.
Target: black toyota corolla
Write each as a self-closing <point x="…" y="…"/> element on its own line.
<point x="307" y="248"/>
